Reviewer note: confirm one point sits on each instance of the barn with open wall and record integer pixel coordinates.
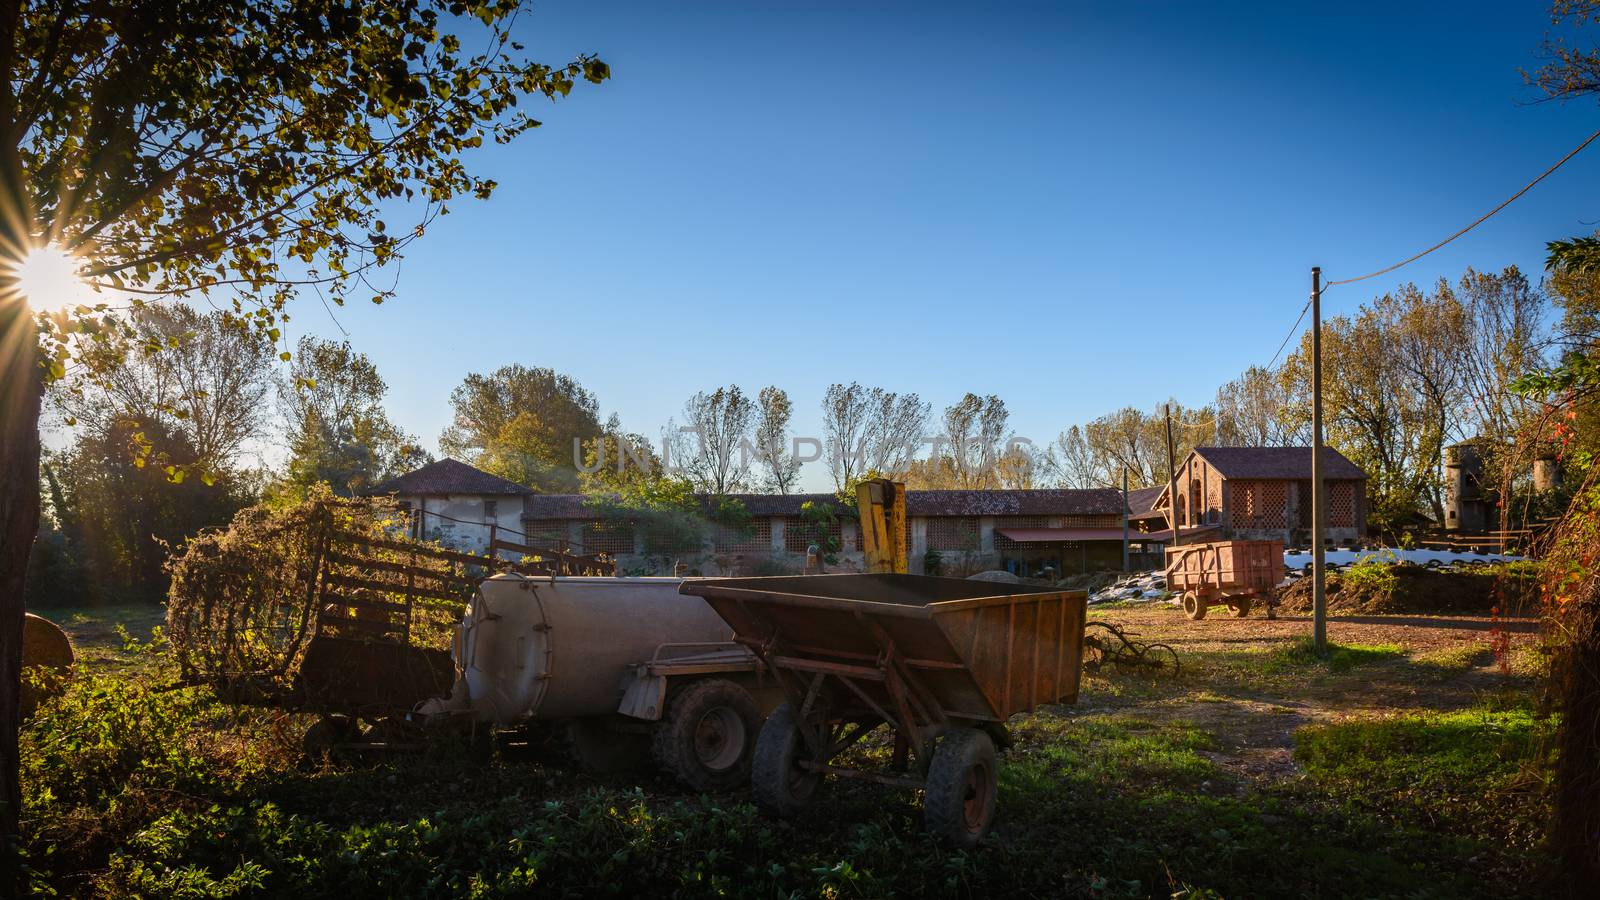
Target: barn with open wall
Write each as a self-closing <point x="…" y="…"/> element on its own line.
<point x="1264" y="493"/>
<point x="1023" y="531"/>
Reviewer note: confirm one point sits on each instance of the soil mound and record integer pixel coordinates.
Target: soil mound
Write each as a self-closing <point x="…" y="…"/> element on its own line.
<point x="1410" y="589"/>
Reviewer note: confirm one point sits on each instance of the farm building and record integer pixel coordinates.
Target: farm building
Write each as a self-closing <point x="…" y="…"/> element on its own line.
<point x="1232" y="492"/>
<point x="458" y="505"/>
<point x="964" y="531"/>
<point x="1263" y="493"/>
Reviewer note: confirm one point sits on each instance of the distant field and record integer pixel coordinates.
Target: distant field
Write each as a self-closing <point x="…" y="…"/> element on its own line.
<point x="93" y="631"/>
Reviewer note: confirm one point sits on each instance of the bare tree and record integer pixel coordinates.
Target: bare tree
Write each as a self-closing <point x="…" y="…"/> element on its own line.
<point x="773" y="439"/>
<point x="974" y="428"/>
<point x="845" y="413"/>
<point x="1070" y="461"/>
<point x="1021" y="466"/>
<point x="895" y="425"/>
<point x="1097" y="454"/>
<point x="1506" y="331"/>
<point x="1429" y="332"/>
<point x="202" y="377"/>
<point x="710" y="444"/>
<point x="1256" y="410"/>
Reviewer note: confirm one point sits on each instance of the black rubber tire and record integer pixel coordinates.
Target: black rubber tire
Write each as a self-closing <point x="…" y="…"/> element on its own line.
<point x="603" y="751"/>
<point x="780" y="786"/>
<point x="708" y="735"/>
<point x="962" y="789"/>
<point x="1193" y="606"/>
<point x="1240" y="607"/>
<point x="323" y="739"/>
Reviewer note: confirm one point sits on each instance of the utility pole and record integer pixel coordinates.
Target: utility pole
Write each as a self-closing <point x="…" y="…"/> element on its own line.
<point x="1172" y="479"/>
<point x="1125" y="512"/>
<point x="1319" y="491"/>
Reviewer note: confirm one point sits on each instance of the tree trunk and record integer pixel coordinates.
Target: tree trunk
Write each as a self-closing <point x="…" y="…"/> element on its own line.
<point x="1578" y="752"/>
<point x="21" y="386"/>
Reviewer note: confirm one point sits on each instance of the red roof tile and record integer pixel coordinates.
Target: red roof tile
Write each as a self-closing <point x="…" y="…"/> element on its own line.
<point x="447" y="476"/>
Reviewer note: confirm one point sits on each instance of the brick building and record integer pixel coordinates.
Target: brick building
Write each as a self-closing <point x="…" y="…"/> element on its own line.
<point x="1263" y="493"/>
<point x="1019" y="531"/>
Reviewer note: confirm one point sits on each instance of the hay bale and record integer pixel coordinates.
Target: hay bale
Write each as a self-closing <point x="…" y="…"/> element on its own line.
<point x="47" y="652"/>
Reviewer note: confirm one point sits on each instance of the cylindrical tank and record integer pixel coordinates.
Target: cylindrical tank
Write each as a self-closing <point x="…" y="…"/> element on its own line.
<point x="1546" y="473"/>
<point x="558" y="648"/>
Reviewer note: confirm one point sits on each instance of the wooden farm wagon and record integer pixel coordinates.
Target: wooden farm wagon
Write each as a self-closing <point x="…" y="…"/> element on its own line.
<point x="1226" y="573"/>
<point x="942" y="662"/>
<point x="322" y="609"/>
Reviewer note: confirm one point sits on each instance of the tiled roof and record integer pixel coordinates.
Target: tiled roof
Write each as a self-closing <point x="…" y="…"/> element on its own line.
<point x="1277" y="462"/>
<point x="918" y="503"/>
<point x="1093" y="501"/>
<point x="1142" y="502"/>
<point x="447" y="476"/>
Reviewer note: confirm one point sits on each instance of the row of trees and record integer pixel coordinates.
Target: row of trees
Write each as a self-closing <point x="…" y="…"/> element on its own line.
<point x="524" y="424"/>
<point x="162" y="437"/>
<point x="1404" y="375"/>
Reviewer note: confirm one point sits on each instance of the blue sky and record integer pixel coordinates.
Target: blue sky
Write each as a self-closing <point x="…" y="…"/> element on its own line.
<point x="1074" y="206"/>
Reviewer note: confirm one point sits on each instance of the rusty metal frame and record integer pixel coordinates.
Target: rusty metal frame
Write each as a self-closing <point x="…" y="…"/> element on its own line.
<point x="913" y="712"/>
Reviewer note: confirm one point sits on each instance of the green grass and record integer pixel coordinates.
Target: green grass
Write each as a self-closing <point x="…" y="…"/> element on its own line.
<point x="1454" y="660"/>
<point x="1293" y="659"/>
<point x="132" y="788"/>
<point x="99" y="634"/>
<point x="1483" y="770"/>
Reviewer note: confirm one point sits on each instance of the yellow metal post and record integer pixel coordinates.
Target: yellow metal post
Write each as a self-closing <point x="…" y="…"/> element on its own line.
<point x="881" y="507"/>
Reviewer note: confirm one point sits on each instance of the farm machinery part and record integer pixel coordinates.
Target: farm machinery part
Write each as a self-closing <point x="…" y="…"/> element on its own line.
<point x="941" y="662"/>
<point x="1113" y="644"/>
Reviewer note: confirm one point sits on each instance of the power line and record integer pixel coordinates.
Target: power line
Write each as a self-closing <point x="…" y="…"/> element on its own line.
<point x="1293" y="329"/>
<point x="1479" y="221"/>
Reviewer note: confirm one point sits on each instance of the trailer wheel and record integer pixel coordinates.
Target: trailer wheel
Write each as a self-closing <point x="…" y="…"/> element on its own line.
<point x="780" y="786"/>
<point x="707" y="735"/>
<point x="323" y="739"/>
<point x="959" y="799"/>
<point x="1193" y="606"/>
<point x="1240" y="607"/>
<point x="604" y="751"/>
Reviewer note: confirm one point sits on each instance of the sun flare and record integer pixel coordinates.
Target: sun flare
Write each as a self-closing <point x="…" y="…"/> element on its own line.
<point x="49" y="280"/>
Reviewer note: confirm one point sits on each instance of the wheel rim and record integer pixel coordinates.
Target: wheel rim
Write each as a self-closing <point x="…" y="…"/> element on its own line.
<point x="975" y="798"/>
<point x="802" y="782"/>
<point x="719" y="739"/>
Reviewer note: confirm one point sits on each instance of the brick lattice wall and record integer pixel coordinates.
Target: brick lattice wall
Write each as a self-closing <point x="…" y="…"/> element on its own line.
<point x="797" y="534"/>
<point x="758" y="540"/>
<point x="953" y="533"/>
<point x="1259" y="504"/>
<point x="608" y="537"/>
<point x="1341" y="505"/>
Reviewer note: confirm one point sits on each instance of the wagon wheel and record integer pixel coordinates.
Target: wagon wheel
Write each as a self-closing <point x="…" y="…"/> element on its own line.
<point x="780" y="786"/>
<point x="1193" y="606"/>
<point x="705" y="739"/>
<point x="1239" y="606"/>
<point x="1094" y="654"/>
<point x="1159" y="656"/>
<point x="328" y="737"/>
<point x="959" y="798"/>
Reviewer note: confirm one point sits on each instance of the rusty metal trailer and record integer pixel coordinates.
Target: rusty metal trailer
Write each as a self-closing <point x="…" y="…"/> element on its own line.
<point x="942" y="662"/>
<point x="1230" y="573"/>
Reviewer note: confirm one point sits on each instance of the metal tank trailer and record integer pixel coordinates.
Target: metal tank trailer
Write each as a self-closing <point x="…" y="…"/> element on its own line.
<point x="629" y="665"/>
